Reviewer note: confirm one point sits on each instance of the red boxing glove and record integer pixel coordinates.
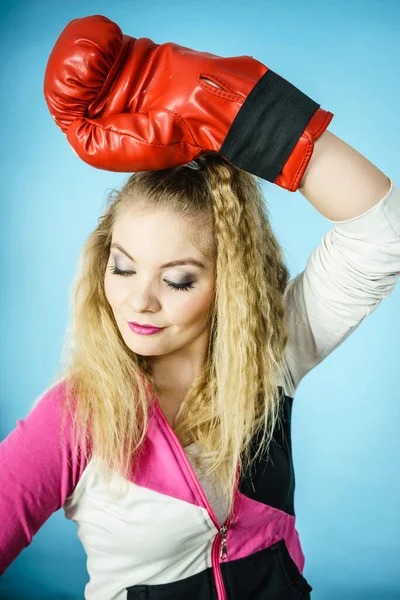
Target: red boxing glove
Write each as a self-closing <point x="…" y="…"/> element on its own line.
<point x="129" y="104"/>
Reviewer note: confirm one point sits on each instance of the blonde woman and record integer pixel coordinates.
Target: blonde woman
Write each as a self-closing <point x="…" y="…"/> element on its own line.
<point x="166" y="434"/>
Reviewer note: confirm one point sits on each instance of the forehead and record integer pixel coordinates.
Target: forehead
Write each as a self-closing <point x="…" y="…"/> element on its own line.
<point x="134" y="221"/>
<point x="159" y="230"/>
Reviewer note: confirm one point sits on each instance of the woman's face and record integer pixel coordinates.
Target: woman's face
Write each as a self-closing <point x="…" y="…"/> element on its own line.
<point x="145" y="293"/>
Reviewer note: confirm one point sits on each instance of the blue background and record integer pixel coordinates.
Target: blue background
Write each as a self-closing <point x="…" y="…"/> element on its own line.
<point x="343" y="54"/>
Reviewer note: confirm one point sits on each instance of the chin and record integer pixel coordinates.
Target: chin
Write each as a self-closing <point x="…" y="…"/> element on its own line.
<point x="140" y="349"/>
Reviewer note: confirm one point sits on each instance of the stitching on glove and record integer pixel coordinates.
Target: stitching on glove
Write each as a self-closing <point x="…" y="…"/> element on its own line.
<point x="111" y="76"/>
<point x="145" y="63"/>
<point x="309" y="152"/>
<point x="217" y="91"/>
<point x="131" y="135"/>
<point x="171" y="112"/>
<point x="323" y="126"/>
<point x="310" y="145"/>
<point x="217" y="79"/>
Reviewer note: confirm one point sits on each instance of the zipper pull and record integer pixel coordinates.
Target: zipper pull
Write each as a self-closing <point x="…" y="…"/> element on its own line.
<point x="223" y="532"/>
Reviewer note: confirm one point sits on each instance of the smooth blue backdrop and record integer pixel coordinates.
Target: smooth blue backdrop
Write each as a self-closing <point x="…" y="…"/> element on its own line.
<point x="345" y="55"/>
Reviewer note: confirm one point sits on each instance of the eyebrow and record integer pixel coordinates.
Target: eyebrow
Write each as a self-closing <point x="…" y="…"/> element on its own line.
<point x="174" y="263"/>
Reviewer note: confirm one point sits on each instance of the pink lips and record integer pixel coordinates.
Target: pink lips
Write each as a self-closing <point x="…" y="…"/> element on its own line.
<point x="142" y="330"/>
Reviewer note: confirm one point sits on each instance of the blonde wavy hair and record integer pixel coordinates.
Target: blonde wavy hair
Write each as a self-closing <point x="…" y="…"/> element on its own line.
<point x="236" y="395"/>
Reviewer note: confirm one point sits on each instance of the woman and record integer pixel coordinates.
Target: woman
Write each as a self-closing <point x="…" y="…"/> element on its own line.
<point x="170" y="448"/>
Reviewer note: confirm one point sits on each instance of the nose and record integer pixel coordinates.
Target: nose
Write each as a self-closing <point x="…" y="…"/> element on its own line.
<point x="144" y="297"/>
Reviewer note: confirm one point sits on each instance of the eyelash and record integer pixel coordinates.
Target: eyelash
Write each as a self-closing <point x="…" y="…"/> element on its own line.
<point x="183" y="287"/>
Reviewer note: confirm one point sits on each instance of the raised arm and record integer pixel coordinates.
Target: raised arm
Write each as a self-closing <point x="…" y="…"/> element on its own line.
<point x="357" y="263"/>
<point x="340" y="182"/>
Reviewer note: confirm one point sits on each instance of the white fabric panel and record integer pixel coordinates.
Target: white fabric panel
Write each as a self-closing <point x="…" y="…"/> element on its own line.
<point x="146" y="537"/>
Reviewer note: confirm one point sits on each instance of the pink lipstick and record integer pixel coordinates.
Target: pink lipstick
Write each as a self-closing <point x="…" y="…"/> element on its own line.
<point x="144" y="329"/>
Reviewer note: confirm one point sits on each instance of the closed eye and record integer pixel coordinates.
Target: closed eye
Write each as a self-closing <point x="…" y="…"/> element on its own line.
<point x="176" y="286"/>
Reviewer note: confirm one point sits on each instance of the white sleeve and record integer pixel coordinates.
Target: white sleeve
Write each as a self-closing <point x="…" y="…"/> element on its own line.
<point x="347" y="276"/>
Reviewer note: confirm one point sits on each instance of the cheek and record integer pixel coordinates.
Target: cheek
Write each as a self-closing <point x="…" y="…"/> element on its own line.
<point x="111" y="290"/>
<point x="191" y="309"/>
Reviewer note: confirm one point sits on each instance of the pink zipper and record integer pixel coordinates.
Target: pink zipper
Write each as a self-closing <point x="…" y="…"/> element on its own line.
<point x="216" y="553"/>
<point x="219" y="547"/>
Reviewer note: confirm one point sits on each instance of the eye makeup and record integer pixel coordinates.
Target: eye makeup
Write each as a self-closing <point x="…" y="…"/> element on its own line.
<point x="185" y="286"/>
